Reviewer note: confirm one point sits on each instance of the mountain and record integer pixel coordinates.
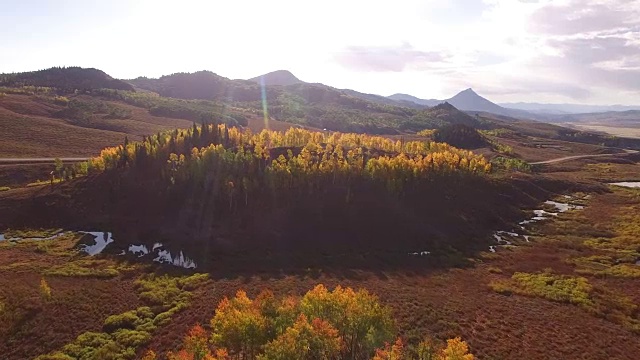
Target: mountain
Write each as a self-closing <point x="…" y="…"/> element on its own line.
<point x="314" y="105"/>
<point x="410" y="98"/>
<point x="469" y="100"/>
<point x="66" y="79"/>
<point x="567" y="108"/>
<point x="203" y="85"/>
<point x="466" y="100"/>
<point x="278" y="77"/>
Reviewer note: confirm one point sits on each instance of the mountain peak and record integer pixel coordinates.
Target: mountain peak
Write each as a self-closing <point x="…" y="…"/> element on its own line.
<point x="278" y="77"/>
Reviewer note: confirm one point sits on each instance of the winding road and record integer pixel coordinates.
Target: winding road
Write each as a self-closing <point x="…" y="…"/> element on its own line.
<point x="24" y="161"/>
<point x="575" y="157"/>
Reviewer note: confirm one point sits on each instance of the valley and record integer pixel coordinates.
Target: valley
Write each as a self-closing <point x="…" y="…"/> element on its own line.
<point x="194" y="215"/>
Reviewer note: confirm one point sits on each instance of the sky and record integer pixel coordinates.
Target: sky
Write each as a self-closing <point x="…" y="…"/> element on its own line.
<point x="565" y="51"/>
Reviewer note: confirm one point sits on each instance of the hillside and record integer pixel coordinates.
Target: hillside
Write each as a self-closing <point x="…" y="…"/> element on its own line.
<point x="278" y="77"/>
<point x="415" y="100"/>
<point x="204" y="85"/>
<point x="39" y="126"/>
<point x="65" y="79"/>
<point x="314" y="105"/>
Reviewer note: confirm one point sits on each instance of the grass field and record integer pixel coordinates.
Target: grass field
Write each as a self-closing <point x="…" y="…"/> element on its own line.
<point x="37" y="129"/>
<point x="630" y="132"/>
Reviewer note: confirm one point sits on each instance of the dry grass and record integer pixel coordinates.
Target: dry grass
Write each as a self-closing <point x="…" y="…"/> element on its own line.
<point x="33" y="130"/>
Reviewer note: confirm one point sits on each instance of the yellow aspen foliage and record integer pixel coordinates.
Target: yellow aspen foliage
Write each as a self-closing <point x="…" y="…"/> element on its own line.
<point x="456" y="350"/>
<point x="305" y="341"/>
<point x="45" y="290"/>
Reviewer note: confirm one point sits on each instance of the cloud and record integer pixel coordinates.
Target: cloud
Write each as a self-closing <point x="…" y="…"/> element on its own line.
<point x="583" y="16"/>
<point x="601" y="61"/>
<point x="386" y="58"/>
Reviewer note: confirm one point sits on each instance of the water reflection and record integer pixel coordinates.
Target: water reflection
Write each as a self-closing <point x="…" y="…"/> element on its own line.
<point x="101" y="239"/>
<point x="163" y="256"/>
<point x="503" y="238"/>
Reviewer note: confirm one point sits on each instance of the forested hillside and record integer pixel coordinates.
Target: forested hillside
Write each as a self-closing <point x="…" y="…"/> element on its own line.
<point x="67" y="79"/>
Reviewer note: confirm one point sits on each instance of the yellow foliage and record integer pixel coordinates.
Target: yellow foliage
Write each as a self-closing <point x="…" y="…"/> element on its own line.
<point x="45" y="290"/>
<point x="456" y="350"/>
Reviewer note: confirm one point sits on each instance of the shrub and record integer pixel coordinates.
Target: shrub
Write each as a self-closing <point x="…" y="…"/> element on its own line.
<point x="4" y="188"/>
<point x="84" y="268"/>
<point x="131" y="338"/>
<point x="61" y="100"/>
<point x="125" y="320"/>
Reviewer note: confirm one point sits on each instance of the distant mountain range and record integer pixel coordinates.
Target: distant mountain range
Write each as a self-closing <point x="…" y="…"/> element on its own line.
<point x="567" y="108"/>
<point x="292" y="100"/>
<point x="466" y="100"/>
<point x="313" y="104"/>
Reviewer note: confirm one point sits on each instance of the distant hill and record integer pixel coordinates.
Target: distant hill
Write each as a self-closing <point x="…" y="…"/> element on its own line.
<point x="567" y="108"/>
<point x="65" y="78"/>
<point x="278" y="77"/>
<point x="203" y="85"/>
<point x="410" y="98"/>
<point x="382" y="99"/>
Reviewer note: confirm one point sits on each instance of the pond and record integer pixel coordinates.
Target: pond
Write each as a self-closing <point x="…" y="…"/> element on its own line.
<point x="507" y="238"/>
<point x="102" y="239"/>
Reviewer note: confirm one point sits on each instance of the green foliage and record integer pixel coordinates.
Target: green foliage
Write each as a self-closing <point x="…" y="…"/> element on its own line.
<point x="510" y="164"/>
<point x="575" y="290"/>
<point x="86" y="268"/>
<point x="194" y="110"/>
<point x="606" y="266"/>
<point x="460" y="135"/>
<point x="128" y="331"/>
<point x="31" y="233"/>
<point x="549" y="286"/>
<point x="125" y="320"/>
<point x="168" y="291"/>
<point x="61" y="100"/>
<point x="131" y="338"/>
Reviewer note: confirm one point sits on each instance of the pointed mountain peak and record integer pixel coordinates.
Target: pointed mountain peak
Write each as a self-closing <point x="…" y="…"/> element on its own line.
<point x="467" y="93"/>
<point x="278" y="77"/>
